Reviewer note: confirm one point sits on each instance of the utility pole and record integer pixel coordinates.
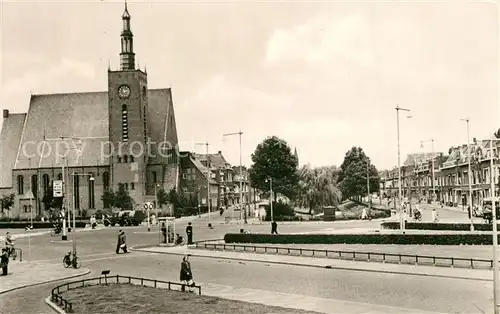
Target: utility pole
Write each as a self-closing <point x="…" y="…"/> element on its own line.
<point x="368" y="186"/>
<point x="495" y="231"/>
<point x="241" y="177"/>
<point x="469" y="177"/>
<point x="401" y="219"/>
<point x="208" y="183"/>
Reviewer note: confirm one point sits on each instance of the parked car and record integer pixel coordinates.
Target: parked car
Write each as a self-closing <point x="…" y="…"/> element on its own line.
<point x="123" y="218"/>
<point x="487" y="208"/>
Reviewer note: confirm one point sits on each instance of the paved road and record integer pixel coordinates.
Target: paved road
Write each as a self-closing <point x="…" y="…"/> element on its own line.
<point x="97" y="251"/>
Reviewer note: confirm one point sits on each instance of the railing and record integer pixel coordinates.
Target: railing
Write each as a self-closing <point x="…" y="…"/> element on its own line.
<point x="68" y="306"/>
<point x="440" y="261"/>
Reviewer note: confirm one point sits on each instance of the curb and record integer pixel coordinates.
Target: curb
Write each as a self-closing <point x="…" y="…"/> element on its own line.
<point x="54" y="306"/>
<point x="318" y="266"/>
<point x="45" y="282"/>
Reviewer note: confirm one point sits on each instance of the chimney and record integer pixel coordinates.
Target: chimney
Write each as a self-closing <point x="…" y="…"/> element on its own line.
<point x="5" y="113"/>
<point x="220" y="152"/>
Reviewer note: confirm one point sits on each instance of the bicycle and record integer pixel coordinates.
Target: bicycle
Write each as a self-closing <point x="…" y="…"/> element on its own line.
<point x="71" y="259"/>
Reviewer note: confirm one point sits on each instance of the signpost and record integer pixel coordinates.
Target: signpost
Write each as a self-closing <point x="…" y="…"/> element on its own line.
<point x="148" y="206"/>
<point x="58" y="188"/>
<point x="31" y="197"/>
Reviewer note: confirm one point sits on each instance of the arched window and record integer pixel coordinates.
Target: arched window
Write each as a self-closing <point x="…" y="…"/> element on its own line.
<point x="105" y="180"/>
<point x="46" y="183"/>
<point x="34" y="185"/>
<point x="91" y="192"/>
<point x="124" y="123"/>
<point x="131" y="158"/>
<point x="76" y="191"/>
<point x="20" y="185"/>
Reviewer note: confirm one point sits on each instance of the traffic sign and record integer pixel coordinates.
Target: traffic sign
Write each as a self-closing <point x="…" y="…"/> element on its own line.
<point x="58" y="188"/>
<point x="146" y="205"/>
<point x="150" y="205"/>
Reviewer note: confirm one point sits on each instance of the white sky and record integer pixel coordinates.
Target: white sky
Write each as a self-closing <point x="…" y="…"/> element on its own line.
<point x="324" y="76"/>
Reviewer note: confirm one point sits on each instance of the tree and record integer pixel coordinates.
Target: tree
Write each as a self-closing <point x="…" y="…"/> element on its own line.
<point x="352" y="178"/>
<point x="7" y="201"/>
<point x="162" y="197"/>
<point x="123" y="199"/>
<point x="108" y="198"/>
<point x="318" y="187"/>
<point x="49" y="201"/>
<point x="273" y="158"/>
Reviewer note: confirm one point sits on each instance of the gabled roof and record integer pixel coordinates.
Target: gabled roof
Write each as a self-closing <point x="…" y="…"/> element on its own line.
<point x="216" y="161"/>
<point x="201" y="168"/>
<point x="82" y="115"/>
<point x="418" y="158"/>
<point x="10" y="137"/>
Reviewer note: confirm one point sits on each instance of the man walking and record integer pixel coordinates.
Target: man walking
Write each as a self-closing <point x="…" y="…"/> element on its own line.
<point x="189" y="233"/>
<point x="274" y="227"/>
<point x="122" y="242"/>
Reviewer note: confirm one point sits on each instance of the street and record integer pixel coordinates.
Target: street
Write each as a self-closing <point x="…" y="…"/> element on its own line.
<point x="97" y="251"/>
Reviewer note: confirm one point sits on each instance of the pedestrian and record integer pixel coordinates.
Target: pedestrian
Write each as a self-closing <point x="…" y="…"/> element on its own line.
<point x="274" y="227"/>
<point x="164" y="232"/>
<point x="122" y="242"/>
<point x="186" y="276"/>
<point x="4" y="262"/>
<point x="189" y="233"/>
<point x="434" y="215"/>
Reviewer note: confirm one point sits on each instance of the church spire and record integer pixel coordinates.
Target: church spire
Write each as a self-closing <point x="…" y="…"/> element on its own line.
<point x="296" y="155"/>
<point x="127" y="55"/>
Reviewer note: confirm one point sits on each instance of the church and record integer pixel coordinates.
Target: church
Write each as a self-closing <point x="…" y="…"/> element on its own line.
<point x="93" y="141"/>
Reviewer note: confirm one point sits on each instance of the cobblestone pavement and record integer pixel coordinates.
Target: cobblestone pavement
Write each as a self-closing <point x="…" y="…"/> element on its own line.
<point x="23" y="274"/>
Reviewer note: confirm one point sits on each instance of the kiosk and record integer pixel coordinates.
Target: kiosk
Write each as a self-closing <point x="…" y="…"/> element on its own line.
<point x="168" y="224"/>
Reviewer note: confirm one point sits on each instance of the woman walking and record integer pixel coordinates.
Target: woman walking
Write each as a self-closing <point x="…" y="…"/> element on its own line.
<point x="186" y="274"/>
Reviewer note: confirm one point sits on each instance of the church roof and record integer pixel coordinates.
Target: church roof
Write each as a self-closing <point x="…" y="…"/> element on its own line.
<point x="82" y="115"/>
<point x="10" y="137"/>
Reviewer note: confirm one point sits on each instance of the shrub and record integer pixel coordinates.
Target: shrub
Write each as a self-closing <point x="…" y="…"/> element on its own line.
<point x="438" y="226"/>
<point x="280" y="209"/>
<point x="404" y="239"/>
<point x="139" y="216"/>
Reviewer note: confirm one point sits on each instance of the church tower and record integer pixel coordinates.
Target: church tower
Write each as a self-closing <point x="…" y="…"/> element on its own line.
<point x="128" y="124"/>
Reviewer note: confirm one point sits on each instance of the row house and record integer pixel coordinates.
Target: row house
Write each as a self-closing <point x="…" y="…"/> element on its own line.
<point x="450" y="174"/>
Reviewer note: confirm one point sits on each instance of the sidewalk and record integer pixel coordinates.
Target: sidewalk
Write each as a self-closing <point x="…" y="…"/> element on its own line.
<point x="403" y="269"/>
<point x="25" y="274"/>
<point x="295" y="301"/>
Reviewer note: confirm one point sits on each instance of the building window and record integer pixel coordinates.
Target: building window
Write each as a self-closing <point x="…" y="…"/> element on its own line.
<point x="91" y="191"/>
<point x="105" y="180"/>
<point x="124" y="123"/>
<point x="125" y="159"/>
<point x="76" y="191"/>
<point x="184" y="175"/>
<point x="59" y="176"/>
<point x="126" y="186"/>
<point x="46" y="183"/>
<point x="131" y="158"/>
<point x="119" y="159"/>
<point x="34" y="185"/>
<point x="132" y="186"/>
<point x="20" y="185"/>
<point x="25" y="207"/>
<point x="154" y="177"/>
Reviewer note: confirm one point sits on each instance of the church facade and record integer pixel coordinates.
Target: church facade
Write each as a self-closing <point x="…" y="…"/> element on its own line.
<point x="93" y="141"/>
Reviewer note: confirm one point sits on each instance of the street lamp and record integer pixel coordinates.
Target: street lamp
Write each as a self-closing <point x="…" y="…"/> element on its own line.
<point x="401" y="219"/>
<point x="368" y="186"/>
<point x="241" y="176"/>
<point x="469" y="178"/>
<point x="208" y="183"/>
<point x="270" y="180"/>
<point x="432" y="160"/>
<point x="73" y="175"/>
<point x="495" y="231"/>
<point x="156" y="202"/>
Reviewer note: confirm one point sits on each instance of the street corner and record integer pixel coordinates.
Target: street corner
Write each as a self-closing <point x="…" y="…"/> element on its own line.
<point x="26" y="274"/>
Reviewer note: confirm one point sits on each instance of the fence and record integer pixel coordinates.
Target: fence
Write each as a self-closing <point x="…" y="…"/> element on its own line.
<point x="68" y="306"/>
<point x="355" y="256"/>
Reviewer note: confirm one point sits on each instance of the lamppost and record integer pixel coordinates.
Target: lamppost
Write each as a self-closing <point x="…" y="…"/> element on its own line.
<point x="241" y="177"/>
<point x="432" y="165"/>
<point x="495" y="231"/>
<point x="208" y="183"/>
<point x="469" y="178"/>
<point x="156" y="202"/>
<point x="73" y="175"/>
<point x="270" y="180"/>
<point x="368" y="186"/>
<point x="401" y="219"/>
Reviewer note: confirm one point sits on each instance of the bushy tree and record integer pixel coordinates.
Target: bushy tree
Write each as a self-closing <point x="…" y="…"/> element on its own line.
<point x="123" y="199"/>
<point x="162" y="197"/>
<point x="6" y="202"/>
<point x="273" y="158"/>
<point x="353" y="174"/>
<point x="108" y="198"/>
<point x="318" y="187"/>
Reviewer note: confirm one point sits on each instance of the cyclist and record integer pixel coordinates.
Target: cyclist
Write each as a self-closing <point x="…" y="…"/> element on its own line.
<point x="9" y="244"/>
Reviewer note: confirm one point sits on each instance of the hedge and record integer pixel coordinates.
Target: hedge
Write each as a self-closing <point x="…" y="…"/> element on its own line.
<point x="432" y="239"/>
<point x="36" y="224"/>
<point x="438" y="226"/>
